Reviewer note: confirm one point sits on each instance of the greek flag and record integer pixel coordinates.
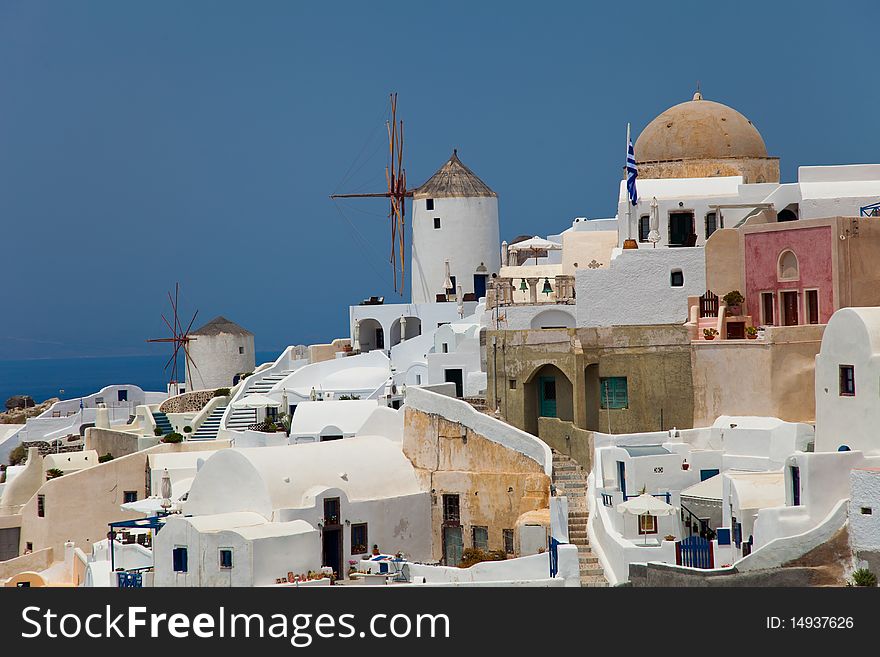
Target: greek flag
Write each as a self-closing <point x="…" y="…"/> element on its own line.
<point x="80" y="403"/>
<point x="631" y="173"/>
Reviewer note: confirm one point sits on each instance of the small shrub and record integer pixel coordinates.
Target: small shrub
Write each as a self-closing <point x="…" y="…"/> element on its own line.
<point x="106" y="457"/>
<point x="221" y="392"/>
<point x="187" y="429"/>
<point x="733" y="298"/>
<point x="471" y="556"/>
<point x="863" y="577"/>
<point x="17" y="455"/>
<point x="53" y="473"/>
<point x="751" y="330"/>
<point x="710" y="332"/>
<point x="157" y="431"/>
<point x="173" y="438"/>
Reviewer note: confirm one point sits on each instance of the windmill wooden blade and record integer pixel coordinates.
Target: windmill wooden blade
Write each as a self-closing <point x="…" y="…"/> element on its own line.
<point x="395" y="180"/>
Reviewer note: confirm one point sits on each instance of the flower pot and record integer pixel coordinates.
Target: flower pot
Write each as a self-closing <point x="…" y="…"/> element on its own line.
<point x="709" y="337"/>
<point x="734" y="310"/>
<point x="749" y="336"/>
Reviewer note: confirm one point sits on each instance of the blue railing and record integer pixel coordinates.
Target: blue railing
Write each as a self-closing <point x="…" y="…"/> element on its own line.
<point x="131" y="580"/>
<point x="872" y="210"/>
<point x="665" y="496"/>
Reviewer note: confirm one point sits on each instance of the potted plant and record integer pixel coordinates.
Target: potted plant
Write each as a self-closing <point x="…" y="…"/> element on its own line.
<point x="710" y="333"/>
<point x="751" y="332"/>
<point x="734" y="301"/>
<point x="669" y="537"/>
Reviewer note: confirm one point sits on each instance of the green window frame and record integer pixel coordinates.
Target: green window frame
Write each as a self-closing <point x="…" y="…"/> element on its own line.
<point x="613" y="392"/>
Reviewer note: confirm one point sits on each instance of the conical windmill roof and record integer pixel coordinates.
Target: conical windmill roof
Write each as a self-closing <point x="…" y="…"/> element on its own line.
<point x="220" y="325"/>
<point x="453" y="180"/>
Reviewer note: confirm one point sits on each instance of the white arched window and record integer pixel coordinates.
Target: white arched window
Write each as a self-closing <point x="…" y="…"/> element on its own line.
<point x="787" y="269"/>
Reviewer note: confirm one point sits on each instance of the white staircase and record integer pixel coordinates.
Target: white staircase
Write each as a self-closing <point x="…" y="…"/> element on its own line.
<point x="241" y="418"/>
<point x="209" y="428"/>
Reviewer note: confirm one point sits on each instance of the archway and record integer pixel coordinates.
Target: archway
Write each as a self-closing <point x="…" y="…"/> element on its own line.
<point x="413" y="329"/>
<point x="548" y="393"/>
<point x="553" y="319"/>
<point x="370" y="335"/>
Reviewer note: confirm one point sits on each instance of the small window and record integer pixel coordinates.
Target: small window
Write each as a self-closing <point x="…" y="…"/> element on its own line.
<point x="451" y="509"/>
<point x="41" y="506"/>
<point x="359" y="540"/>
<point x="644" y="227"/>
<point x="788" y="267"/>
<point x="241" y="350"/>
<point x="512" y="384"/>
<point x="418" y="379"/>
<point x="436" y="223"/>
<point x="480" y="537"/>
<point x="676" y="278"/>
<point x="613" y="392"/>
<point x="767" y="306"/>
<point x="445" y="348"/>
<point x="179" y="559"/>
<point x="429" y="204"/>
<point x="331" y="511"/>
<point x="507" y="534"/>
<point x="847" y="381"/>
<point x="711" y="223"/>
<point x="28" y="547"/>
<point x="130" y="496"/>
<point x="122" y="395"/>
<point x="812" y="301"/>
<point x="225" y="558"/>
<point x="647" y="524"/>
<point x="867" y="511"/>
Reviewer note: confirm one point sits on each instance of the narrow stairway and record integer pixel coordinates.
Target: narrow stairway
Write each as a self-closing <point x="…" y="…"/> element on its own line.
<point x="209" y="428"/>
<point x="241" y="418"/>
<point x="570" y="480"/>
<point x="163" y="423"/>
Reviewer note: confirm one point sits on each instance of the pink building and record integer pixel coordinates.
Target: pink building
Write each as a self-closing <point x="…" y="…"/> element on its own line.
<point x="790" y="272"/>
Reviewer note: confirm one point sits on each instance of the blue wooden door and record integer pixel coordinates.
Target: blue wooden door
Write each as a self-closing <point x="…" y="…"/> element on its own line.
<point x="547" y="388"/>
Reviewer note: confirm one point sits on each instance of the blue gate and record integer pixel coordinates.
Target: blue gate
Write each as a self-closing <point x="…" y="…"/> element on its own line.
<point x="554" y="557"/>
<point x="695" y="552"/>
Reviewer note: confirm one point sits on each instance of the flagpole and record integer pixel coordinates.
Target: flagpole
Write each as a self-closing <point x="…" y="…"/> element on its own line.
<point x="628" y="202"/>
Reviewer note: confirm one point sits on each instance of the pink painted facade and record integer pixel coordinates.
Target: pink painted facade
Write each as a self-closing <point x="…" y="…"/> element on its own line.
<point x="813" y="249"/>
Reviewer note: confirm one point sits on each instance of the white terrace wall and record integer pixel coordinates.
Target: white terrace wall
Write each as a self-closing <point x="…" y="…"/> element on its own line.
<point x="637" y="288"/>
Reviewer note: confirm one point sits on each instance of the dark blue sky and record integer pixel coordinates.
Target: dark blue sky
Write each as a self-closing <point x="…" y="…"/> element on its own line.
<point x="145" y="143"/>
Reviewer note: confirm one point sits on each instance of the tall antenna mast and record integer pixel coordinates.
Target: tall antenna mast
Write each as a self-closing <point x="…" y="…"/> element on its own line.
<point x="395" y="177"/>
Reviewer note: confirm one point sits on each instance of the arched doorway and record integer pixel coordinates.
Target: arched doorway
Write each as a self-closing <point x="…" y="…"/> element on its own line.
<point x="413" y="329"/>
<point x="370" y="335"/>
<point x="548" y="393"/>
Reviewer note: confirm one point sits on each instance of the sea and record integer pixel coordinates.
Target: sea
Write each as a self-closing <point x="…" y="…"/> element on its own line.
<point x="69" y="378"/>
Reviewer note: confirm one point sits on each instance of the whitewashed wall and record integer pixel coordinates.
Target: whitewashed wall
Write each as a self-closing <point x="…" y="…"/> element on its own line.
<point x="637" y="290"/>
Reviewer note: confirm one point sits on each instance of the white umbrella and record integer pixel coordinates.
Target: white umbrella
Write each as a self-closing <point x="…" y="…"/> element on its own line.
<point x="535" y="244"/>
<point x="165" y="489"/>
<point x="654" y="222"/>
<point x="256" y="401"/>
<point x="646" y="505"/>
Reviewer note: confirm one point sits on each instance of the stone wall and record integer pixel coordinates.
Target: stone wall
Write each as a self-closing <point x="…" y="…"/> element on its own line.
<point x="657" y="574"/>
<point x="568" y="439"/>
<point x="753" y="170"/>
<point x="188" y="402"/>
<point x="495" y="484"/>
